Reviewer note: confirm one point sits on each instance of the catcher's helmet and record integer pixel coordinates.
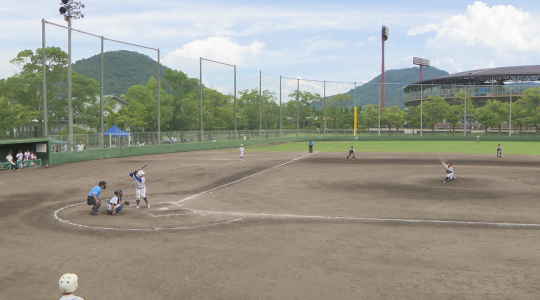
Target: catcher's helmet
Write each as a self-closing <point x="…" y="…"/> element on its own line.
<point x="103" y="183"/>
<point x="118" y="192"/>
<point x="68" y="283"/>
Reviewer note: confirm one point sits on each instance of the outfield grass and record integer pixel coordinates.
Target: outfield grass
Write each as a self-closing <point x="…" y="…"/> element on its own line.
<point x="486" y="147"/>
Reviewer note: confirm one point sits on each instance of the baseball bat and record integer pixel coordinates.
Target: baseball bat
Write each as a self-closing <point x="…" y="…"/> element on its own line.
<point x="142" y="167"/>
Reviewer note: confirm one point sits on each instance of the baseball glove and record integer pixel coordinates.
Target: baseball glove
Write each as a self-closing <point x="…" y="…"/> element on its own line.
<point x="448" y="172"/>
<point x="126" y="202"/>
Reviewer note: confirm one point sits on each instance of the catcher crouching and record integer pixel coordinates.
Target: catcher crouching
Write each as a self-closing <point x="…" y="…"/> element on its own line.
<point x="115" y="204"/>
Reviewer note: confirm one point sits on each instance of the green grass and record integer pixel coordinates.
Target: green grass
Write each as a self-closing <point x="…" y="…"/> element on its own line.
<point x="483" y="147"/>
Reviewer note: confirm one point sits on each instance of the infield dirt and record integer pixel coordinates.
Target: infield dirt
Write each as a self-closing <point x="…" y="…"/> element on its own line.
<point x="279" y="225"/>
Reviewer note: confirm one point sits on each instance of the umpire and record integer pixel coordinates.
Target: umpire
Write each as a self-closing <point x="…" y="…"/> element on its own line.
<point x="93" y="197"/>
<point x="310" y="144"/>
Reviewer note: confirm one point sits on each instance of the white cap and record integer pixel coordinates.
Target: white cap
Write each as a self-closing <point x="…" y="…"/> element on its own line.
<point x="241" y="145"/>
<point x="68" y="283"/>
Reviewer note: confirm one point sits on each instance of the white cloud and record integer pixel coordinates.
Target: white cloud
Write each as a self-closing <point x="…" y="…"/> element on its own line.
<point x="423" y="29"/>
<point x="501" y="28"/>
<point x="372" y="39"/>
<point x="218" y="48"/>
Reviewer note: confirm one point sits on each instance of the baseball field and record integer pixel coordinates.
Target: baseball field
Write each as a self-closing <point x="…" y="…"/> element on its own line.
<point x="282" y="224"/>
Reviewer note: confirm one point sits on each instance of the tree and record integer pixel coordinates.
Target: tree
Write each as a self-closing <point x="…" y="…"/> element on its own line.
<point x="394" y="116"/>
<point x="436" y="109"/>
<point x="494" y="113"/>
<point x="335" y="107"/>
<point x="369" y="116"/>
<point x="461" y="98"/>
<point x="530" y="103"/>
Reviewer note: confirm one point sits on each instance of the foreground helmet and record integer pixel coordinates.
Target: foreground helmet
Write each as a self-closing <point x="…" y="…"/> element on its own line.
<point x="68" y="283"/>
<point x="118" y="192"/>
<point x="103" y="183"/>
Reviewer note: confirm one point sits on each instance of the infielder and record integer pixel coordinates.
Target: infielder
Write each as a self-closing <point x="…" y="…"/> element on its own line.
<point x="67" y="284"/>
<point x="449" y="171"/>
<point x="93" y="197"/>
<point x="115" y="206"/>
<point x="140" y="187"/>
<point x="351" y="152"/>
<point x="499" y="151"/>
<point x="241" y="151"/>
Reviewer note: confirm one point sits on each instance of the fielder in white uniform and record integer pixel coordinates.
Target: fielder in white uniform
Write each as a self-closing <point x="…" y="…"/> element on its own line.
<point x="140" y="187"/>
<point x="351" y="152"/>
<point x="68" y="283"/>
<point x="499" y="151"/>
<point x="449" y="171"/>
<point x="241" y="151"/>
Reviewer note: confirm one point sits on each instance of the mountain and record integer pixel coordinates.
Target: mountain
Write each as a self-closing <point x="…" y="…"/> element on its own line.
<point x="121" y="70"/>
<point x="396" y="80"/>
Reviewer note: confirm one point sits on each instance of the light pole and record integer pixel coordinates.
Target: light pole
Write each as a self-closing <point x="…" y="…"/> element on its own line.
<point x="70" y="10"/>
<point x="422" y="62"/>
<point x="510" y="124"/>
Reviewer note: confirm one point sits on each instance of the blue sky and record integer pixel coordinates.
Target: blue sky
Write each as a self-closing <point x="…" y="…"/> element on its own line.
<point x="320" y="40"/>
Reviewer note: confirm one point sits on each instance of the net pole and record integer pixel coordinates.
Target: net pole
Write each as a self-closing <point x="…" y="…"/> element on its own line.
<point x="297" y="105"/>
<point x="158" y="102"/>
<point x="101" y="99"/>
<point x="260" y="105"/>
<point x="324" y="108"/>
<point x="44" y="127"/>
<point x="280" y="116"/>
<point x="200" y="103"/>
<point x="355" y="111"/>
<point x="235" y="128"/>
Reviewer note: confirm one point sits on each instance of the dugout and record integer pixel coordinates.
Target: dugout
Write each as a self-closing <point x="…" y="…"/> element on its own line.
<point x="40" y="146"/>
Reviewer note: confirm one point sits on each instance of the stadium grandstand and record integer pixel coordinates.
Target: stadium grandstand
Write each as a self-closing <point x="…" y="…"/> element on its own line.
<point x="483" y="84"/>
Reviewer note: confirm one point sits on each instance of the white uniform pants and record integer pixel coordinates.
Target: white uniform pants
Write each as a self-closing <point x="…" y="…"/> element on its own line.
<point x="140" y="193"/>
<point x="451" y="175"/>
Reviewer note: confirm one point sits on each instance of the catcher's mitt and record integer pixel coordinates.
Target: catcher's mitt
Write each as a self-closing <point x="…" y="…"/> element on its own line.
<point x="126" y="202"/>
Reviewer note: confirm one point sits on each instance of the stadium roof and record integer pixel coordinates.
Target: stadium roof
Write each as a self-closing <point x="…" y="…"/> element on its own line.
<point x="484" y="76"/>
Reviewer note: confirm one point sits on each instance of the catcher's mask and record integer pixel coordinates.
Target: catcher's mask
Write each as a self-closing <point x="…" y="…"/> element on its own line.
<point x="68" y="283"/>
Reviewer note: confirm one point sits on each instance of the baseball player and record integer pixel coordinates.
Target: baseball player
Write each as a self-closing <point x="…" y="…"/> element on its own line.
<point x="68" y="283"/>
<point x="9" y="158"/>
<point x="19" y="157"/>
<point x="351" y="152"/>
<point x="27" y="158"/>
<point x="93" y="197"/>
<point x="241" y="151"/>
<point x="499" y="151"/>
<point x="140" y="187"/>
<point x="449" y="171"/>
<point x="115" y="206"/>
<point x="478" y="138"/>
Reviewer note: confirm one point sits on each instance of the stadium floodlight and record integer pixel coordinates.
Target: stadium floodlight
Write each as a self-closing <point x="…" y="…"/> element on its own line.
<point x="385" y="32"/>
<point x="70" y="9"/>
<point x="419" y="61"/>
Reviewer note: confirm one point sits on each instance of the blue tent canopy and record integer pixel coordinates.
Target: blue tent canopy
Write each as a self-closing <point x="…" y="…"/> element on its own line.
<point x="115" y="132"/>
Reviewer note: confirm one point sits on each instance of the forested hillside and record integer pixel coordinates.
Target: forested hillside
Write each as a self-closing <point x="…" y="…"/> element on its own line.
<point x="369" y="93"/>
<point x="121" y="70"/>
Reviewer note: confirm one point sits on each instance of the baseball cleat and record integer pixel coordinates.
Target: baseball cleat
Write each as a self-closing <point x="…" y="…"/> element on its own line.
<point x="137" y="207"/>
<point x="148" y="205"/>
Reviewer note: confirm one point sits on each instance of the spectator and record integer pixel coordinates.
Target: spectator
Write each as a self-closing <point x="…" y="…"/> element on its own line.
<point x="80" y="146"/>
<point x="71" y="148"/>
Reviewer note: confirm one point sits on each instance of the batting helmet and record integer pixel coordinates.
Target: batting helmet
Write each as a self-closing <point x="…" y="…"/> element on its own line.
<point x="118" y="192"/>
<point x="141" y="172"/>
<point x="68" y="283"/>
